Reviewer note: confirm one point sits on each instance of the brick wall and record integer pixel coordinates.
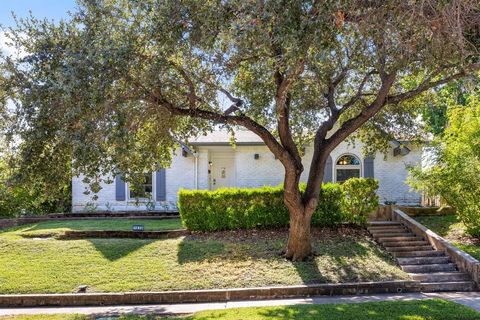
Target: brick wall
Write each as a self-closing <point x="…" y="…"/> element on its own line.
<point x="249" y="172"/>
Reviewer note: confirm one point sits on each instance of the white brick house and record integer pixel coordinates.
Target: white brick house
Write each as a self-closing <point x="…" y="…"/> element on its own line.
<point x="213" y="163"/>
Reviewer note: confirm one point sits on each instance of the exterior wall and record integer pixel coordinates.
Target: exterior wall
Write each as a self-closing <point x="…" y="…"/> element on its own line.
<point x="179" y="175"/>
<point x="250" y="172"/>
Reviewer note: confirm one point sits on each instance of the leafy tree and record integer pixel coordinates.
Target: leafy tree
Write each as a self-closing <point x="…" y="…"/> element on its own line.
<point x="118" y="84"/>
<point x="456" y="167"/>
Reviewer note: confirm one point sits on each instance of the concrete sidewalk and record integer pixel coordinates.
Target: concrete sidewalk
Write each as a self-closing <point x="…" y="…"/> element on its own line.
<point x="471" y="299"/>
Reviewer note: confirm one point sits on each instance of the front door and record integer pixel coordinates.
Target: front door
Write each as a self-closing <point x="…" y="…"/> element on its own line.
<point x="222" y="172"/>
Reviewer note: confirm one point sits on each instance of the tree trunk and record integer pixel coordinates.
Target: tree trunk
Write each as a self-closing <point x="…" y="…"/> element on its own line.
<point x="299" y="246"/>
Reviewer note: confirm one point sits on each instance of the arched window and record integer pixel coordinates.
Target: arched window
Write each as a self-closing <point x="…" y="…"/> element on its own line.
<point x="347" y="166"/>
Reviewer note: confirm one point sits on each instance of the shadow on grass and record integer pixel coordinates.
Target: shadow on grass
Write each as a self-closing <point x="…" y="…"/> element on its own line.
<point x="335" y="254"/>
<point x="114" y="249"/>
<point x="418" y="310"/>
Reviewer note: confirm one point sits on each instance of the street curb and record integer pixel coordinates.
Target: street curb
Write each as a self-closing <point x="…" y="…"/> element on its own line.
<point x="213" y="295"/>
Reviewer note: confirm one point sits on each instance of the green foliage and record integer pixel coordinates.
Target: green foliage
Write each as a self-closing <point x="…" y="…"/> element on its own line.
<point x="19" y="198"/>
<point x="119" y="82"/>
<point x="456" y="168"/>
<point x="246" y="208"/>
<point x="359" y="199"/>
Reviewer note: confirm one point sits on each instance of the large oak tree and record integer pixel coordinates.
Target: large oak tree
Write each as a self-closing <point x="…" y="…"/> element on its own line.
<point x="118" y="84"/>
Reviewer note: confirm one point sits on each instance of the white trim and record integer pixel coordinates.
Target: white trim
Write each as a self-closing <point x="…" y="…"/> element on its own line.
<point x="334" y="165"/>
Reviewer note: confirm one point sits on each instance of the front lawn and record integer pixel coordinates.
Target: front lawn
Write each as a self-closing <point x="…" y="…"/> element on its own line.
<point x="200" y="261"/>
<point x="52" y="228"/>
<point x="434" y="309"/>
<point x="453" y="230"/>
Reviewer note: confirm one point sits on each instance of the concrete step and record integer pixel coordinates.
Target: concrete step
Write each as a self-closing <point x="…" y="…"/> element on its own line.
<point x="390" y="230"/>
<point x="447" y="286"/>
<point x="408" y="248"/>
<point x="392" y="234"/>
<point x="401" y="238"/>
<point x="423" y="253"/>
<point x="396" y="226"/>
<point x="383" y="223"/>
<point x="423" y="260"/>
<point x="405" y="243"/>
<point x="425" y="268"/>
<point x="440" y="276"/>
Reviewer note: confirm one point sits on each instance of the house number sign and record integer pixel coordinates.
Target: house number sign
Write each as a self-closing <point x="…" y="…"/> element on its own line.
<point x="224" y="172"/>
<point x="138" y="227"/>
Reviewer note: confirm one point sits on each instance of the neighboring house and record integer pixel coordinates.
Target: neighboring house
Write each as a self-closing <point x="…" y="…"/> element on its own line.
<point x="212" y="163"/>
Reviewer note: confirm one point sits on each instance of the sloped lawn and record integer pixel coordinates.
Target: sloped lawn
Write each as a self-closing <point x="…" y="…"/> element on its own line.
<point x="199" y="261"/>
<point x="453" y="230"/>
<point x="399" y="310"/>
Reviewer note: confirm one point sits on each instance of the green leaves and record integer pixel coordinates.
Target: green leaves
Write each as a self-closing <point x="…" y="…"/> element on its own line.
<point x="456" y="164"/>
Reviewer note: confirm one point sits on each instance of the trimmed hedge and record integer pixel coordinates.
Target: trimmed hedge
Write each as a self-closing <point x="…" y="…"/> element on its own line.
<point x="247" y="208"/>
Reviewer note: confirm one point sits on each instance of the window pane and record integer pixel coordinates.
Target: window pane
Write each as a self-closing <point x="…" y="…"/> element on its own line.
<point x="345" y="174"/>
<point x="144" y="190"/>
<point x="348" y="160"/>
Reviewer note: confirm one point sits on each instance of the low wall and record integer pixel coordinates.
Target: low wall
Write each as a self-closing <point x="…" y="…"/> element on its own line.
<point x="463" y="260"/>
<point x="214" y="295"/>
<point x="167" y="234"/>
<point x="383" y="212"/>
<point x="427" y="211"/>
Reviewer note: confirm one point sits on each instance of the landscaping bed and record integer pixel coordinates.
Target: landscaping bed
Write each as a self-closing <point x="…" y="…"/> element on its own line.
<point x="229" y="259"/>
<point x="434" y="309"/>
<point x="453" y="230"/>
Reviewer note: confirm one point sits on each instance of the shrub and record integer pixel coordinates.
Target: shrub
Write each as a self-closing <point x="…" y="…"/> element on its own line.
<point x="455" y="165"/>
<point x="359" y="199"/>
<point x="237" y="208"/>
<point x="329" y="211"/>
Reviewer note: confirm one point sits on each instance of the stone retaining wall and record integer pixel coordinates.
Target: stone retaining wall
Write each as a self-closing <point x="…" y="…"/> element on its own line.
<point x="215" y="295"/>
<point x="74" y="234"/>
<point x="463" y="260"/>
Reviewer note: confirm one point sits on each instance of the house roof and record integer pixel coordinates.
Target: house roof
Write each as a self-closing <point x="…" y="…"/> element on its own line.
<point x="222" y="138"/>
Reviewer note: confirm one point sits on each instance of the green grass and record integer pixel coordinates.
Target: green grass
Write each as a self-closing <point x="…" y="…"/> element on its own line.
<point x="398" y="310"/>
<point x="200" y="261"/>
<point x="452" y="229"/>
<point x="52" y="228"/>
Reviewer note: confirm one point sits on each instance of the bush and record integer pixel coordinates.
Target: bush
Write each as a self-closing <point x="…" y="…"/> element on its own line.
<point x="359" y="199"/>
<point x="237" y="208"/>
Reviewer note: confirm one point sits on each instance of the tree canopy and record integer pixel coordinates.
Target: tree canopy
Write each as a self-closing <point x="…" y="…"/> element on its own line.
<point x="118" y="84"/>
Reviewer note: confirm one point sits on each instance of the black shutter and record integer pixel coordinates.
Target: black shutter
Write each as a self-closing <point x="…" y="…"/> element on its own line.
<point x="119" y="188"/>
<point x="327" y="175"/>
<point x="161" y="185"/>
<point x="368" y="171"/>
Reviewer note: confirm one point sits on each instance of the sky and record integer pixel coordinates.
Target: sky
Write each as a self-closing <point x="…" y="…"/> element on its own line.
<point x="51" y="9"/>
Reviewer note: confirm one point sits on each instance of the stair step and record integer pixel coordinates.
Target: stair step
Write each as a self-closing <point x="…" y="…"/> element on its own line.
<point x="405" y="243"/>
<point x="397" y="226"/>
<point x="447" y="286"/>
<point x="408" y="248"/>
<point x="440" y="276"/>
<point x="423" y="253"/>
<point x="392" y="234"/>
<point x="392" y="230"/>
<point x="425" y="268"/>
<point x="423" y="260"/>
<point x="401" y="238"/>
<point x="383" y="223"/>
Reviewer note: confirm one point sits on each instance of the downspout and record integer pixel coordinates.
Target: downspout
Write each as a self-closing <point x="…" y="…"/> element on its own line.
<point x="195" y="155"/>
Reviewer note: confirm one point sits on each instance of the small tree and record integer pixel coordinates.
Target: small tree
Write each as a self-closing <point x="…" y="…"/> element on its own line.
<point x="456" y="167"/>
<point x="119" y="83"/>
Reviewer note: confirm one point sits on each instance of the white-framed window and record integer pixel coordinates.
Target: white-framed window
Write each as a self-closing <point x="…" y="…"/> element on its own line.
<point x="347" y="166"/>
<point x="144" y="190"/>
